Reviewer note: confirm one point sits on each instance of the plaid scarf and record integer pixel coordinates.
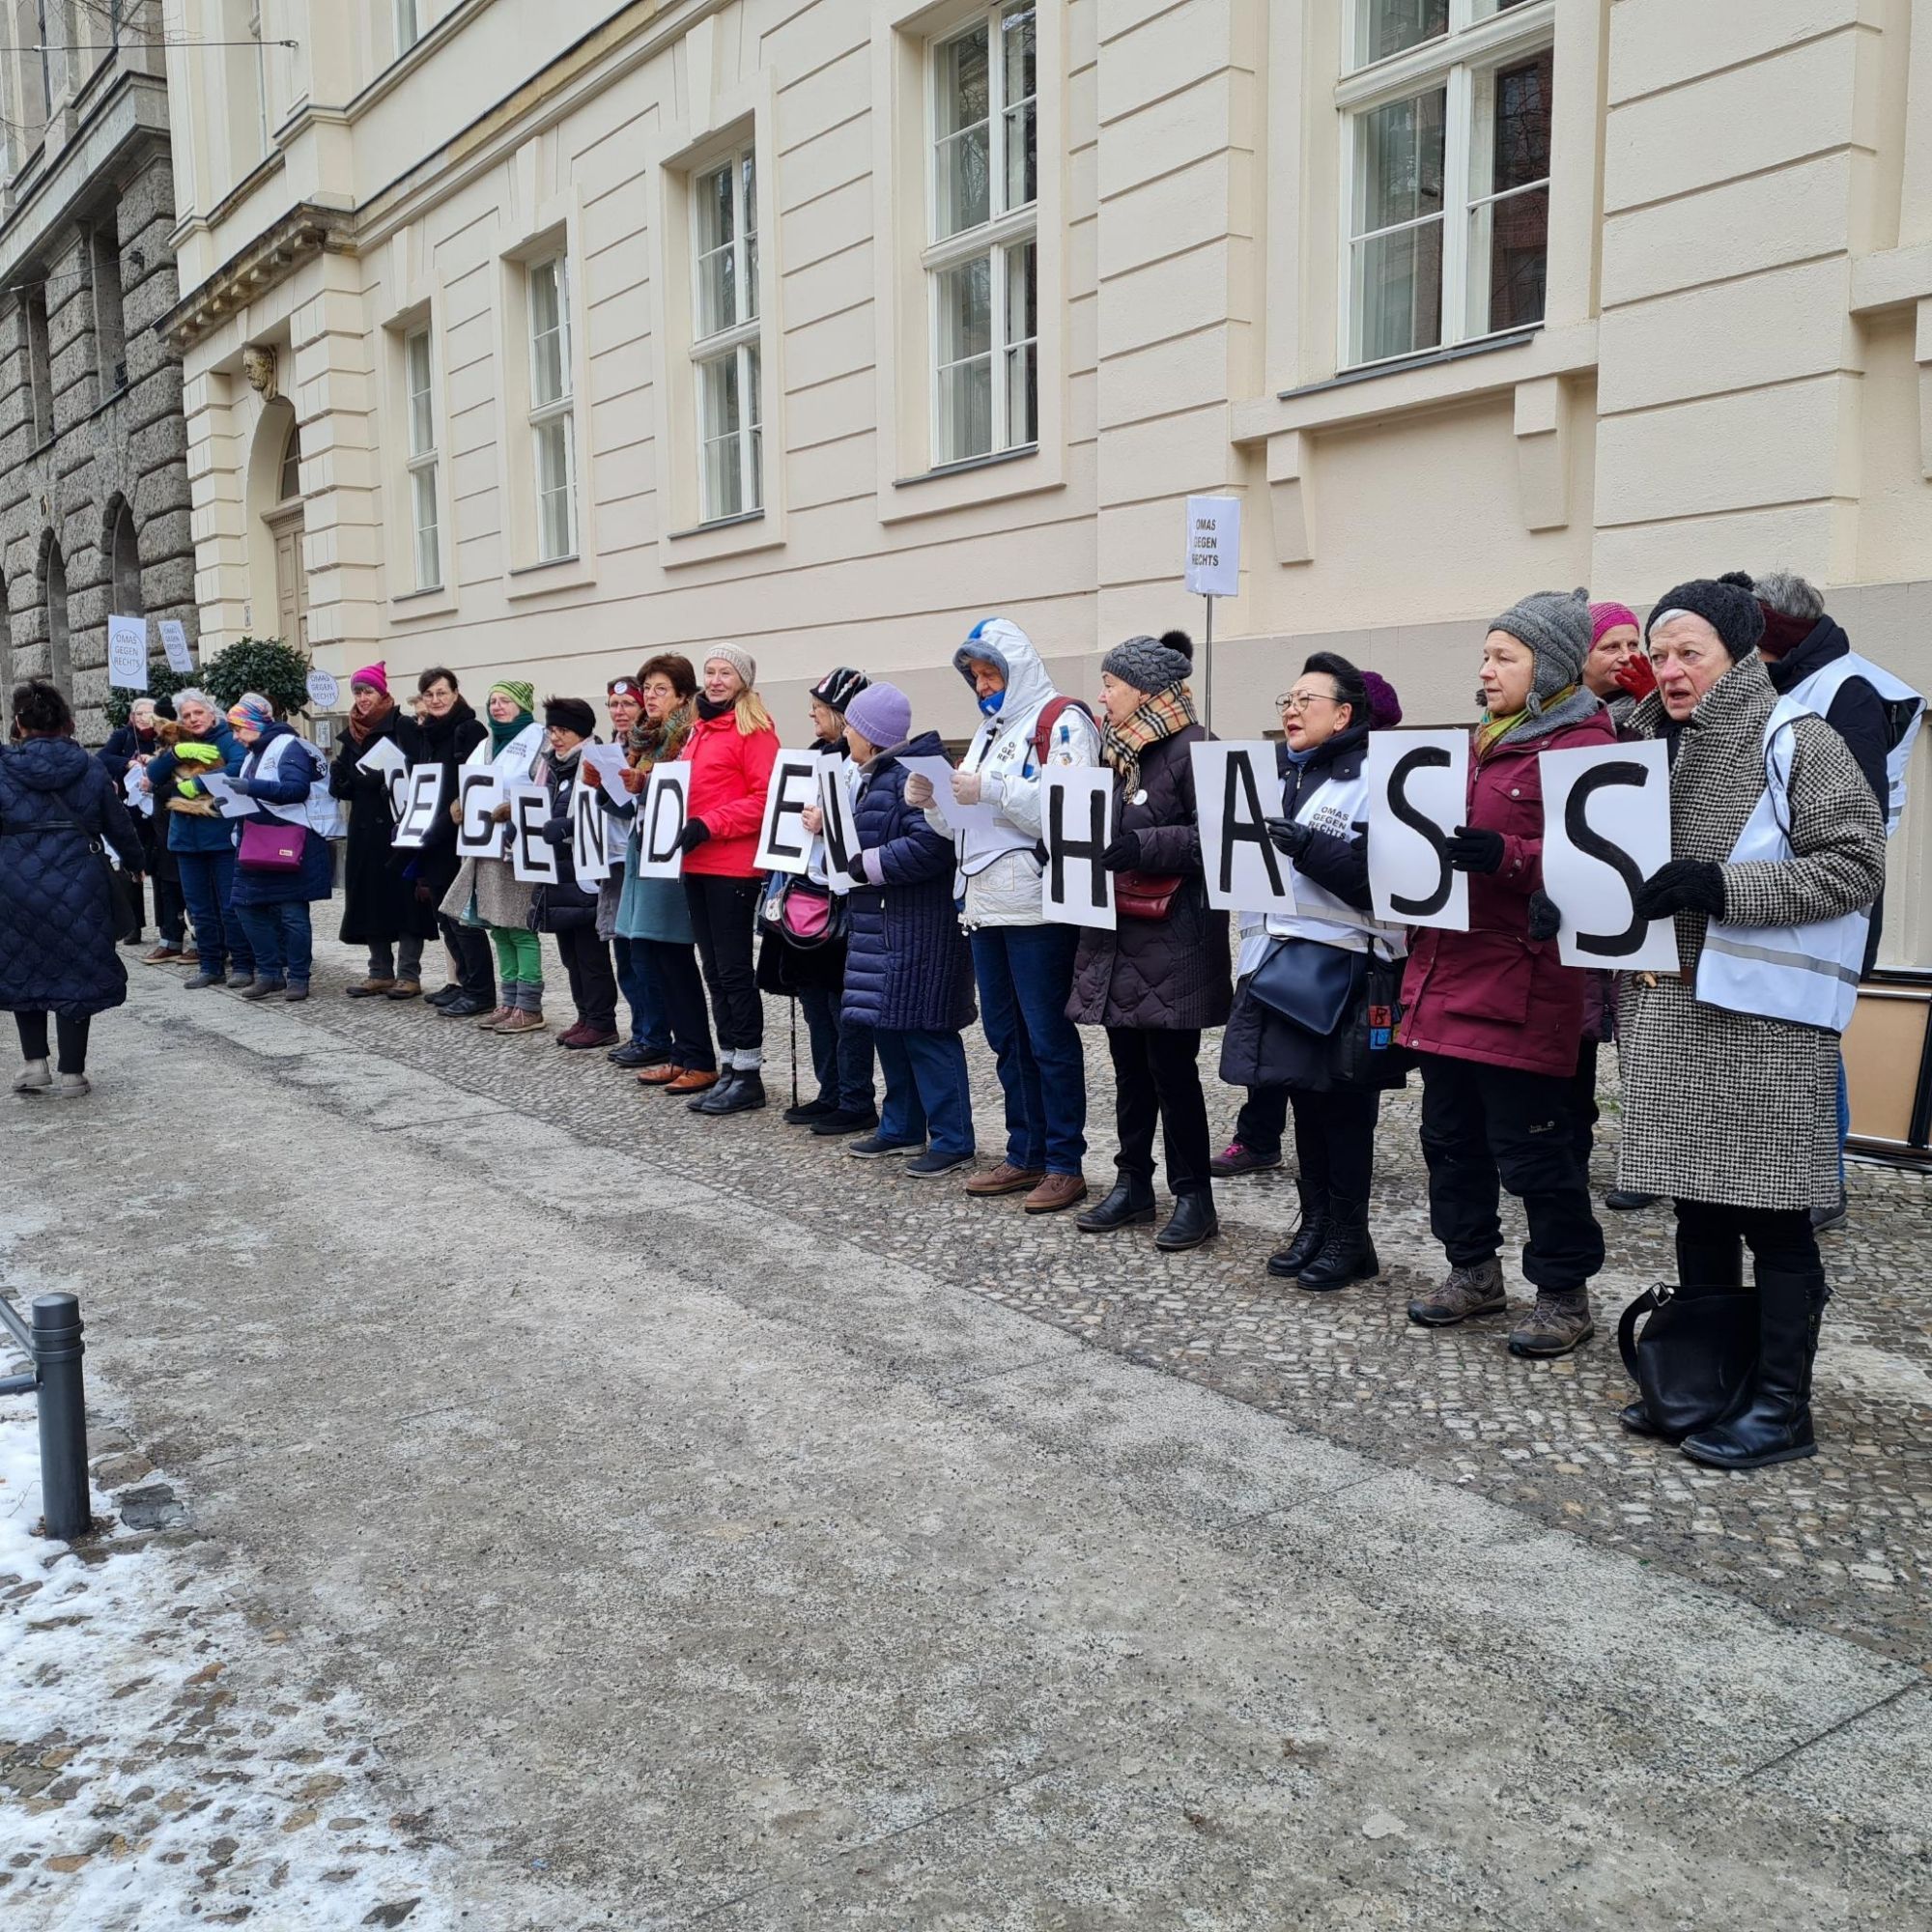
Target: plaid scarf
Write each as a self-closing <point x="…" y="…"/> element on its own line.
<point x="651" y="744"/>
<point x="1160" y="717"/>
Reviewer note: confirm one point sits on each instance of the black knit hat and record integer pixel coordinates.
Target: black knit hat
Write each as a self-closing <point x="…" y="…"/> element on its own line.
<point x="571" y="714"/>
<point x="1725" y="603"/>
<point x="836" y="689"/>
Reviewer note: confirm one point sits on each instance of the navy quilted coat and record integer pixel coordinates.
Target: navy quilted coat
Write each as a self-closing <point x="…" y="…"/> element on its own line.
<point x="56" y="933"/>
<point x="907" y="965"/>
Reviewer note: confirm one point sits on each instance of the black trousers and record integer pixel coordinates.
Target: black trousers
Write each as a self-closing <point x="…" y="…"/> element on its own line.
<point x="681" y="988"/>
<point x="723" y="912"/>
<point x="1335" y="1140"/>
<point x="1584" y="1111"/>
<point x="1263" y="1121"/>
<point x="1157" y="1082"/>
<point x="593" y="981"/>
<point x="69" y="1034"/>
<point x="1485" y="1128"/>
<point x="1712" y="1237"/>
<point x="476" y="964"/>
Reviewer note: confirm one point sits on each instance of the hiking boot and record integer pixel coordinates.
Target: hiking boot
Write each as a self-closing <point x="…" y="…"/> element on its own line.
<point x="491" y="1021"/>
<point x="1557" y="1324"/>
<point x="1347" y="1254"/>
<point x="1475" y="1290"/>
<point x="405" y="990"/>
<point x="1309" y="1236"/>
<point x="1234" y="1160"/>
<point x="368" y="988"/>
<point x="1006" y="1179"/>
<point x="520" y="1021"/>
<point x="1057" y="1193"/>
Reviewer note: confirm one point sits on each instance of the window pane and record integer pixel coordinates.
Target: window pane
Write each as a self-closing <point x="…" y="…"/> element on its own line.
<point x="551" y="440"/>
<point x="1385" y="27"/>
<point x="963" y="187"/>
<point x="748" y="379"/>
<point x="749" y="174"/>
<point x="717" y="397"/>
<point x="429" y="563"/>
<point x="721" y="486"/>
<point x="712" y="210"/>
<point x="407" y="31"/>
<point x="1022" y="156"/>
<point x="547" y="338"/>
<point x="717" y="292"/>
<point x="966" y="309"/>
<point x="1398" y="162"/>
<point x="1018" y="36"/>
<point x="291" y="481"/>
<point x="962" y="133"/>
<point x="1509" y="253"/>
<point x="1398" y="293"/>
<point x="963" y="95"/>
<point x="1487" y="10"/>
<point x="1519" y="102"/>
<point x="422" y="417"/>
<point x="966" y="410"/>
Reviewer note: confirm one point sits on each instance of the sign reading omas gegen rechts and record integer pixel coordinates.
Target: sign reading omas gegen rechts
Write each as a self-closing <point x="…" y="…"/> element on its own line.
<point x="1214" y="545"/>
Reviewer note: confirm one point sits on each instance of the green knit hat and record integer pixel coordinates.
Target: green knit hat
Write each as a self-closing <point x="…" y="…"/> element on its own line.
<point x="522" y="696"/>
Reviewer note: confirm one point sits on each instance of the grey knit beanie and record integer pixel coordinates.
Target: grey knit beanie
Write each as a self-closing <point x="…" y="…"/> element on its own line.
<point x="1555" y="625"/>
<point x="1152" y="663"/>
<point x="738" y="657"/>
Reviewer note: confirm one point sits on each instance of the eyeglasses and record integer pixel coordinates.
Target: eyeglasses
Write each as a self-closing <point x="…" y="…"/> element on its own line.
<point x="1300" y="700"/>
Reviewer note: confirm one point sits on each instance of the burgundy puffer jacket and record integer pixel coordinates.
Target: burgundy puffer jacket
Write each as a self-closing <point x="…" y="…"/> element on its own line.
<point x="1493" y="993"/>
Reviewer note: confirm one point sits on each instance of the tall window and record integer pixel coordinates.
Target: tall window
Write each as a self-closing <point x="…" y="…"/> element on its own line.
<point x="125" y="560"/>
<point x="422" y="461"/>
<point x="726" y="336"/>
<point x="552" y="430"/>
<point x="40" y="363"/>
<point x="288" y="477"/>
<point x="60" y="656"/>
<point x="1447" y="114"/>
<point x="980" y="264"/>
<point x="409" y="30"/>
<point x="110" y="349"/>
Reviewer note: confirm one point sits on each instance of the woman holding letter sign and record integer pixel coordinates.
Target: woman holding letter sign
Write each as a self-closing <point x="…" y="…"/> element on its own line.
<point x="1496" y="1015"/>
<point x="380" y="909"/>
<point x="1161" y="975"/>
<point x="568" y="909"/>
<point x="445" y="731"/>
<point x="1730" y="1065"/>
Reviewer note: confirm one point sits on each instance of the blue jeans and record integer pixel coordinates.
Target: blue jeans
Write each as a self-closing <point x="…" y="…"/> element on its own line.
<point x="282" y="940"/>
<point x="926" y="1088"/>
<point x="651" y="1026"/>
<point x="208" y="884"/>
<point x="1025" y="974"/>
<point x="842" y="1051"/>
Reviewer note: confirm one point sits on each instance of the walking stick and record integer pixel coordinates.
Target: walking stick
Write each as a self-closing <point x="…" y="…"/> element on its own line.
<point x="794" y="1049"/>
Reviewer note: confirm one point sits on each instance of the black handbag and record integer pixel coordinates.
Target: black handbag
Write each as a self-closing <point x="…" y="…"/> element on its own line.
<point x="1695" y="1358"/>
<point x="1308" y="982"/>
<point x="1366" y="1053"/>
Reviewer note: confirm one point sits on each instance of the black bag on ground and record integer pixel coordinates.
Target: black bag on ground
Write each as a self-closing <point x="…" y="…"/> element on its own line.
<point x="1695" y="1358"/>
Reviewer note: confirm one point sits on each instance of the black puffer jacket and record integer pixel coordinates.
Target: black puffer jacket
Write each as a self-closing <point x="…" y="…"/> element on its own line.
<point x="565" y="905"/>
<point x="1169" y="975"/>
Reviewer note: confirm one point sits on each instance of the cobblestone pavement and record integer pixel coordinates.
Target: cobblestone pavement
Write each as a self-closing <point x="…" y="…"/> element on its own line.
<point x="1842" y="1543"/>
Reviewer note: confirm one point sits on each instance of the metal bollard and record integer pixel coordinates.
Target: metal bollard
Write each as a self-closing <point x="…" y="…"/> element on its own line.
<point x="62" y="1405"/>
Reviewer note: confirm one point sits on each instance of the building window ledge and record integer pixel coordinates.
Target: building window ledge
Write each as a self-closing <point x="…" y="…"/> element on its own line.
<point x="967" y="463"/>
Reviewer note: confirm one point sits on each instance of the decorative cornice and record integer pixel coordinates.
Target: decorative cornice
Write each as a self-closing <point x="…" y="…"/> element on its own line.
<point x="307" y="231"/>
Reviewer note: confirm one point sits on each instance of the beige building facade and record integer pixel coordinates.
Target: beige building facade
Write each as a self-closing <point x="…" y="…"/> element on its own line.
<point x="542" y="336"/>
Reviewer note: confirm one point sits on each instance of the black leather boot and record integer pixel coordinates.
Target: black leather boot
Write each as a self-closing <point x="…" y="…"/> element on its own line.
<point x="1715" y="1265"/>
<point x="1194" y="1221"/>
<point x="1347" y="1254"/>
<point x="1129" y="1206"/>
<point x="1775" y="1426"/>
<point x="1308" y="1236"/>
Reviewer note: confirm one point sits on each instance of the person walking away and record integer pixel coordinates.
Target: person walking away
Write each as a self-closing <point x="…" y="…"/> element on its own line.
<point x="732" y="747"/>
<point x="201" y="841"/>
<point x="1296" y="1010"/>
<point x="812" y="968"/>
<point x="647" y="1042"/>
<point x="446" y="732"/>
<point x="379" y="905"/>
<point x="568" y="910"/>
<point x="1496" y="1014"/>
<point x="908" y="970"/>
<point x="1161" y="975"/>
<point x="1730" y="1064"/>
<point x="1022" y="961"/>
<point x="283" y="859"/>
<point x="58" y="808"/>
<point x="1810" y="659"/>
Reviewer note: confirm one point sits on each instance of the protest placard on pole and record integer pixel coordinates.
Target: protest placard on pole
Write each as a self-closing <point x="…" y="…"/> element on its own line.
<point x="323" y="693"/>
<point x="422" y="800"/>
<point x="1418" y="793"/>
<point x="128" y="653"/>
<point x="1213" y="570"/>
<point x="1606" y="829"/>
<point x="479" y="835"/>
<point x="784" y="845"/>
<point x="174" y="641"/>
<point x="1076" y="812"/>
<point x="1236" y="792"/>
<point x="532" y="857"/>
<point x="836" y="780"/>
<point x="664" y="805"/>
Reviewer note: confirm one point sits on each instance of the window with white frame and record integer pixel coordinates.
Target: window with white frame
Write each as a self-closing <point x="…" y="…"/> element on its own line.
<point x="726" y="339"/>
<point x="552" y="429"/>
<point x="980" y="264"/>
<point x="1446" y="113"/>
<point x="419" y="404"/>
<point x="408" y="26"/>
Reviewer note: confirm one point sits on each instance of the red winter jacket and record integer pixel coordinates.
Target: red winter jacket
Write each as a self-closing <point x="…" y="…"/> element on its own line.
<point x="1493" y="993"/>
<point x="730" y="776"/>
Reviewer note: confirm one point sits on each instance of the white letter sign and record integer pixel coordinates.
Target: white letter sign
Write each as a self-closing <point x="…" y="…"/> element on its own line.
<point x="478" y="834"/>
<point x="422" y="799"/>
<point x="588" y="857"/>
<point x="1236" y="789"/>
<point x="174" y="640"/>
<point x="835" y="778"/>
<point x="128" y="653"/>
<point x="1076" y="811"/>
<point x="784" y="845"/>
<point x="1214" y="545"/>
<point x="532" y="857"/>
<point x="1418" y="794"/>
<point x="662" y="809"/>
<point x="1597" y="850"/>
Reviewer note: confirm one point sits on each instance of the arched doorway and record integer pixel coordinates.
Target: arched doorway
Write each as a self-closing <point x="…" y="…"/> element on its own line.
<point x="124" y="552"/>
<point x="285" y="530"/>
<point x="60" y="653"/>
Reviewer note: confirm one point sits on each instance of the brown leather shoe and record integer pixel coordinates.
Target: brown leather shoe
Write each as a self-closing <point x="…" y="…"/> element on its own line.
<point x="690" y="1081"/>
<point x="405" y="990"/>
<point x="160" y="953"/>
<point x="1006" y="1179"/>
<point x="368" y="988"/>
<point x="660" y="1076"/>
<point x="1057" y="1192"/>
<point x="523" y="1022"/>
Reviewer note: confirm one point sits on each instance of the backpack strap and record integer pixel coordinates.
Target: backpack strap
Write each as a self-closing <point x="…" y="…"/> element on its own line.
<point x="1050" y="715"/>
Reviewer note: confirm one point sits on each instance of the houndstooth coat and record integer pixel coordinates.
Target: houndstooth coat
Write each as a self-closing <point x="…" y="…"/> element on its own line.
<point x="1721" y="1106"/>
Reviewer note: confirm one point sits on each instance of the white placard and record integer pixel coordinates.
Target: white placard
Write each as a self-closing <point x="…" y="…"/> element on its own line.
<point x="1418" y="794"/>
<point x="532" y="857"/>
<point x="662" y="808"/>
<point x="608" y="762"/>
<point x="1214" y="545"/>
<point x="384" y="759"/>
<point x="958" y="817"/>
<point x="1597" y="850"/>
<point x="837" y="777"/>
<point x="128" y="653"/>
<point x="324" y="693"/>
<point x="422" y="800"/>
<point x="1076" y="817"/>
<point x="478" y="834"/>
<point x="1235" y="790"/>
<point x="589" y="855"/>
<point x="138" y="800"/>
<point x="221" y="789"/>
<point x="784" y="845"/>
<point x="174" y="641"/>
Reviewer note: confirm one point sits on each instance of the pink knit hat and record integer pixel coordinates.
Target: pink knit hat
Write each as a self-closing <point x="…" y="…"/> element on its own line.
<point x="1607" y="618"/>
<point x="376" y="676"/>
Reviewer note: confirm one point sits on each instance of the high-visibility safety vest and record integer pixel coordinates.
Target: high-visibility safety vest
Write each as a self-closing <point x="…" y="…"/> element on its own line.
<point x="1808" y="974"/>
<point x="318" y="812"/>
<point x="1904" y="713"/>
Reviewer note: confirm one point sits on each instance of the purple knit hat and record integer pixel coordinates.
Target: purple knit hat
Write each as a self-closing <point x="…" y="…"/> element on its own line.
<point x="1384" y="706"/>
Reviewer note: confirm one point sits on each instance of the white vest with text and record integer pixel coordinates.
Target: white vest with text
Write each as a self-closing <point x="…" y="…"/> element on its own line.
<point x="318" y="812"/>
<point x="1904" y="709"/>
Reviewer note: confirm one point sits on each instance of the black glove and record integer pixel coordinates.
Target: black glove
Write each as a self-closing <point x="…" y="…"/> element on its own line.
<point x="1546" y="920"/>
<point x="1683" y="885"/>
<point x="1289" y="837"/>
<point x="555" y="832"/>
<point x="695" y="832"/>
<point x="1124" y="855"/>
<point x="1473" y="851"/>
<point x="856" y="865"/>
